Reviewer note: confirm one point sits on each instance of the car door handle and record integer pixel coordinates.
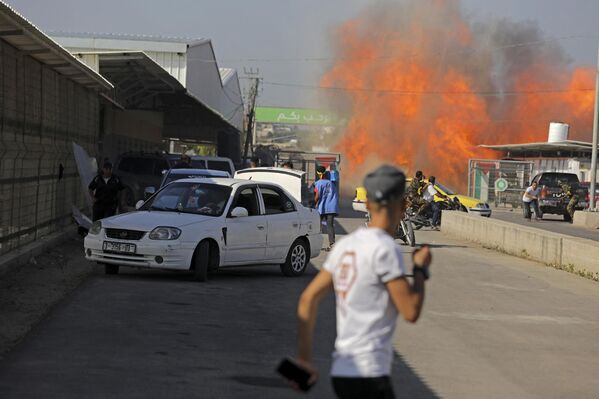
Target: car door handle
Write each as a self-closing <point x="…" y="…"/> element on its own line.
<point x="260" y="227"/>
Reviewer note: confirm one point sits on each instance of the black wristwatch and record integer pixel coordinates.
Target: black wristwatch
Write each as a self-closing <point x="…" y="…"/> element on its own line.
<point x="423" y="270"/>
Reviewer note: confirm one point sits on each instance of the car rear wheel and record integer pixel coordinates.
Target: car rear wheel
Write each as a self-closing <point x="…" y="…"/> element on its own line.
<point x="111" y="269"/>
<point x="297" y="259"/>
<point x="201" y="260"/>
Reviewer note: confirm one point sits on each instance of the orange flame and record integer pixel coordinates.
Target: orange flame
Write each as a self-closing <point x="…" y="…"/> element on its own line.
<point x="424" y="95"/>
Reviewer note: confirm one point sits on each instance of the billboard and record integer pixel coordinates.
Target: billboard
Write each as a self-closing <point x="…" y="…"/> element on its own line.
<point x="298" y="116"/>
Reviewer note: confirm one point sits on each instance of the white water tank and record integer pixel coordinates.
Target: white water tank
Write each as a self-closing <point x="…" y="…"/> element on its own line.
<point x="558" y="132"/>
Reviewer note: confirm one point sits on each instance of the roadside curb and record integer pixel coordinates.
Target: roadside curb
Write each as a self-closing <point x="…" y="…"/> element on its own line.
<point x="21" y="256"/>
<point x="576" y="255"/>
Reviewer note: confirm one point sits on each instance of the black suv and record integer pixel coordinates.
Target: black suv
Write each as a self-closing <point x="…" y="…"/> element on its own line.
<point x="139" y="170"/>
<point x="551" y="199"/>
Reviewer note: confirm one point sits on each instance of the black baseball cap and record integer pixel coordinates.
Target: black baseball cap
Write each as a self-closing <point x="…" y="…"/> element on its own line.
<point x="385" y="183"/>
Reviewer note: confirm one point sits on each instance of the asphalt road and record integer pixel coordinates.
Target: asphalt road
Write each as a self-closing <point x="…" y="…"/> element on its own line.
<point x="494" y="326"/>
<point x="553" y="223"/>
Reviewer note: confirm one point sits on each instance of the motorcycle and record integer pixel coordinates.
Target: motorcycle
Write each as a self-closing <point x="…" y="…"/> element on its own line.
<point x="424" y="218"/>
<point x="404" y="231"/>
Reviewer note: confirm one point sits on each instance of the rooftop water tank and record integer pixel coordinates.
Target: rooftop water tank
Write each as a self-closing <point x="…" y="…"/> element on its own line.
<point x="558" y="132"/>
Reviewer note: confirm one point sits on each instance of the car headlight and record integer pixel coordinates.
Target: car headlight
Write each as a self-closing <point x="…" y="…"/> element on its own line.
<point x="165" y="233"/>
<point x="96" y="228"/>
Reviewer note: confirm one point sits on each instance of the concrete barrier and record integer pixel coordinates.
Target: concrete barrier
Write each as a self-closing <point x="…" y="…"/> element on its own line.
<point x="589" y="220"/>
<point x="581" y="254"/>
<point x="571" y="253"/>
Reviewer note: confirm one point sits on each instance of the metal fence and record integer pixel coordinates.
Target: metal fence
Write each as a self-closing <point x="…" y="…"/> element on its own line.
<point x="41" y="114"/>
<point x="499" y="182"/>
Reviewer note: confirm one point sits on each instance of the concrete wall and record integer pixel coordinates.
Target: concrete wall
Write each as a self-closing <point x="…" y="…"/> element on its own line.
<point x="41" y="114"/>
<point x="578" y="254"/>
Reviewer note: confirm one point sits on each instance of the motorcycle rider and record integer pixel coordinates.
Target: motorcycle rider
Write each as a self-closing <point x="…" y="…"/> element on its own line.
<point x="415" y="190"/>
<point x="569" y="194"/>
<point x="429" y="196"/>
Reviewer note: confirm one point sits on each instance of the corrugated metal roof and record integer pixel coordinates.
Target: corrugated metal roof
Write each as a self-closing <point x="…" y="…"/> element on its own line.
<point x="122" y="36"/>
<point x="26" y="37"/>
<point x="137" y="77"/>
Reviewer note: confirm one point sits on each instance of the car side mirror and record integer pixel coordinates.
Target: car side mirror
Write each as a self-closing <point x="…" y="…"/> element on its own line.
<point x="148" y="192"/>
<point x="139" y="204"/>
<point x="239" y="212"/>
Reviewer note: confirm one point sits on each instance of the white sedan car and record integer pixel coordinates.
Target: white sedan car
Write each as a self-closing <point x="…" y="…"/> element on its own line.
<point x="204" y="224"/>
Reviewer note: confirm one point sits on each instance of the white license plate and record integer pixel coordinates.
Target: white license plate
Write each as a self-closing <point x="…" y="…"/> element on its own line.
<point x="120" y="247"/>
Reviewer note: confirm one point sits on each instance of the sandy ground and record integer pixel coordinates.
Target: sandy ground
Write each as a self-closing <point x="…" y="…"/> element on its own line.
<point x="29" y="292"/>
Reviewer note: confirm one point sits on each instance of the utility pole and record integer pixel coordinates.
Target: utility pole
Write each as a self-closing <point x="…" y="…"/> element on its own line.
<point x="594" y="150"/>
<point x="250" y="112"/>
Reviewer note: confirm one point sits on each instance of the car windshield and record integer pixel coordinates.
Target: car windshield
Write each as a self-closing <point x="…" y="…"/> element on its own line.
<point x="197" y="198"/>
<point x="446" y="190"/>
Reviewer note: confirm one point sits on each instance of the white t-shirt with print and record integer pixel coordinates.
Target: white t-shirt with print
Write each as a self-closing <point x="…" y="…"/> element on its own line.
<point x="429" y="193"/>
<point x="531" y="191"/>
<point x="361" y="263"/>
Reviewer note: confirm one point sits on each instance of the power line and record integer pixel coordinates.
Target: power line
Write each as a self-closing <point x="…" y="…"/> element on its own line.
<point x="414" y="92"/>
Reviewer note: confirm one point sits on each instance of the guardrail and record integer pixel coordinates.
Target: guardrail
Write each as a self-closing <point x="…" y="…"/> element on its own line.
<point x="577" y="255"/>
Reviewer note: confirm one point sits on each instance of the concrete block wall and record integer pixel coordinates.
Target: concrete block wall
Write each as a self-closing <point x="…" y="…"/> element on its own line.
<point x="577" y="254"/>
<point x="41" y="114"/>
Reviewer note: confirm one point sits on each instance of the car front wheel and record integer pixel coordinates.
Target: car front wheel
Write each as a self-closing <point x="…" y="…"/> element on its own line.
<point x="201" y="259"/>
<point x="297" y="259"/>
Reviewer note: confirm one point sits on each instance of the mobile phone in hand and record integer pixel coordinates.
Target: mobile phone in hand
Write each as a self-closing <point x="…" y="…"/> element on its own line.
<point x="296" y="373"/>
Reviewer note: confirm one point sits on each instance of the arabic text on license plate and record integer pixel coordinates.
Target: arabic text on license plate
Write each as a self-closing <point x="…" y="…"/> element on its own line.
<point x="122" y="247"/>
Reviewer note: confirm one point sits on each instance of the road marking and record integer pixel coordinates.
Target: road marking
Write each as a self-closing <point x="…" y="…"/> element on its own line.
<point x="523" y="319"/>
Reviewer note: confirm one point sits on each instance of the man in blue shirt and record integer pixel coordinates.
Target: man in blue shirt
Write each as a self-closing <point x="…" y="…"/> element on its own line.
<point x="327" y="202"/>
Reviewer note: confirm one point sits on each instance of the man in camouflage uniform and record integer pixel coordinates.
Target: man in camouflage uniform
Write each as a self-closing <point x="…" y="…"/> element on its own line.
<point x="415" y="191"/>
<point x="569" y="194"/>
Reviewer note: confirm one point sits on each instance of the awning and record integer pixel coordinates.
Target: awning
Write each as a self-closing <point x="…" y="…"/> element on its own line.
<point x="23" y="35"/>
<point x="141" y="83"/>
<point x="568" y="145"/>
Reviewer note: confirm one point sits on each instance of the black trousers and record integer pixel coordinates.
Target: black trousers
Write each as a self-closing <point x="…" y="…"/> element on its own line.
<point x="330" y="220"/>
<point x="101" y="211"/>
<point x="363" y="388"/>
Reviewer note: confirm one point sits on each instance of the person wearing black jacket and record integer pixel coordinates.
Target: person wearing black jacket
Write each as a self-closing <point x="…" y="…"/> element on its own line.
<point x="104" y="190"/>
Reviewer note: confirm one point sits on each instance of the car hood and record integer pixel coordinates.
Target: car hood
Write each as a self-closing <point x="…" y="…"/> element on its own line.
<point x="468" y="202"/>
<point x="148" y="220"/>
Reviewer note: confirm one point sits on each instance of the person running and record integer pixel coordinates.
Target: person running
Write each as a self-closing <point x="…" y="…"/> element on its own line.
<point x="531" y="197"/>
<point x="326" y="200"/>
<point x="368" y="276"/>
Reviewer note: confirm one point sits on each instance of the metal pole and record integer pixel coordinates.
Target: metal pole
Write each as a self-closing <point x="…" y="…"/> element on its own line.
<point x="595" y="129"/>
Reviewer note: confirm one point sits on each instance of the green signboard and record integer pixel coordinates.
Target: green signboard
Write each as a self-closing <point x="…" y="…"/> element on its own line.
<point x="297" y="116"/>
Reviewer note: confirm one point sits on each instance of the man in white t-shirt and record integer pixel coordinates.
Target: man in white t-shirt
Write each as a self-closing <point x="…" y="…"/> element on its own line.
<point x="531" y="197"/>
<point x="366" y="271"/>
<point x="429" y="197"/>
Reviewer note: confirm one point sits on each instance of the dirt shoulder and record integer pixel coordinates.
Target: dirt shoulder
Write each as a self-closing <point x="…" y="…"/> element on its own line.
<point x="29" y="292"/>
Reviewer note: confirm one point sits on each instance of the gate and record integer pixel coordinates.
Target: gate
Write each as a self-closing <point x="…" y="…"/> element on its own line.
<point x="499" y="182"/>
